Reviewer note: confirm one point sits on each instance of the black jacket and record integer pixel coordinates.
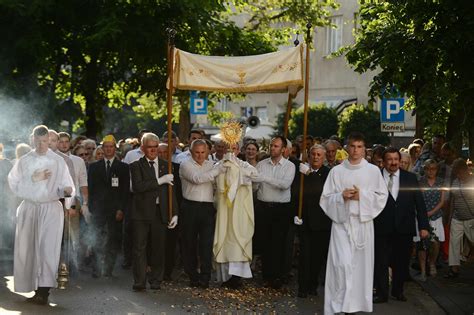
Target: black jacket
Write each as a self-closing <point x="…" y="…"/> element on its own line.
<point x="313" y="216"/>
<point x="105" y="200"/>
<point x="399" y="215"/>
<point x="146" y="190"/>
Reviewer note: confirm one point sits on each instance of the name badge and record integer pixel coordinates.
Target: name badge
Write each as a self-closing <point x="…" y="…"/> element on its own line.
<point x="115" y="181"/>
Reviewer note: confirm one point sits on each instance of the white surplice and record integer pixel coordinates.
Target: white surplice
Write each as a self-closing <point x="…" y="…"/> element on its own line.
<point x="350" y="264"/>
<point x="40" y="219"/>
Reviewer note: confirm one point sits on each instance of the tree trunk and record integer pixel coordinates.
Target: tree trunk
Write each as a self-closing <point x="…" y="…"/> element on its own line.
<point x="184" y="119"/>
<point x="454" y="128"/>
<point x="471" y="141"/>
<point x="92" y="104"/>
<point x="420" y="127"/>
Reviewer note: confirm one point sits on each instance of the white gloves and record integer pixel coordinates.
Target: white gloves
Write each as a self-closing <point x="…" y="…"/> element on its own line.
<point x="258" y="178"/>
<point x="166" y="179"/>
<point x="298" y="221"/>
<point x="218" y="169"/>
<point x="86" y="213"/>
<point x="64" y="192"/>
<point x="304" y="168"/>
<point x="173" y="223"/>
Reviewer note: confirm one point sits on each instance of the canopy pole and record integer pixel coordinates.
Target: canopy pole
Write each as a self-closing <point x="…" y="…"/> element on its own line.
<point x="288" y="114"/>
<point x="309" y="39"/>
<point x="290" y="101"/>
<point x="169" y="102"/>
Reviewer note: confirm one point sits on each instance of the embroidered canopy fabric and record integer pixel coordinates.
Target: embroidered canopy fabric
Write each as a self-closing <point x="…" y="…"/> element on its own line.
<point x="273" y="72"/>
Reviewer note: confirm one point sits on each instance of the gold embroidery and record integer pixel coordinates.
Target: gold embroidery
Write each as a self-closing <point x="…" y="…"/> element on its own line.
<point x="241" y="73"/>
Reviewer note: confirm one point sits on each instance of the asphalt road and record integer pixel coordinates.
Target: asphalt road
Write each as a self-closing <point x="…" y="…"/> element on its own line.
<point x="86" y="295"/>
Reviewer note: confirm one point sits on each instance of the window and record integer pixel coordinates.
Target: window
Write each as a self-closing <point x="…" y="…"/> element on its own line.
<point x="261" y="112"/>
<point x="334" y="35"/>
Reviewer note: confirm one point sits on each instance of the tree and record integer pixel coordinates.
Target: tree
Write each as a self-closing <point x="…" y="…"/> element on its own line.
<point x="110" y="53"/>
<point x="362" y="119"/>
<point x="322" y="122"/>
<point x="424" y="49"/>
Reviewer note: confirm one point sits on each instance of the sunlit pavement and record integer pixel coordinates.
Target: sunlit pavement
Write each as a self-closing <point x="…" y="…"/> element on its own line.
<point x="86" y="295"/>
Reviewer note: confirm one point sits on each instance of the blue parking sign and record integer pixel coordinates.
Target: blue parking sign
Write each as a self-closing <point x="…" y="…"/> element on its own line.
<point x="391" y="110"/>
<point x="198" y="106"/>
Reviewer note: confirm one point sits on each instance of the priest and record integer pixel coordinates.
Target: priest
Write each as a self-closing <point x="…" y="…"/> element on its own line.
<point x="353" y="195"/>
<point x="234" y="221"/>
<point x="40" y="178"/>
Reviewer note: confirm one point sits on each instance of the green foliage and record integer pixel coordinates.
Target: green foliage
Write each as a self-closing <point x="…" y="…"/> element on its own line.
<point x="289" y="16"/>
<point x="365" y="120"/>
<point x="424" y="48"/>
<point x="99" y="54"/>
<point x="322" y="121"/>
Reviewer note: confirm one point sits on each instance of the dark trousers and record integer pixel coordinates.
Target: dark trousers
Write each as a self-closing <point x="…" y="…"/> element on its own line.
<point x="197" y="224"/>
<point x="314" y="246"/>
<point x="171" y="250"/>
<point x="392" y="250"/>
<point x="108" y="240"/>
<point x="127" y="235"/>
<point x="273" y="225"/>
<point x="149" y="239"/>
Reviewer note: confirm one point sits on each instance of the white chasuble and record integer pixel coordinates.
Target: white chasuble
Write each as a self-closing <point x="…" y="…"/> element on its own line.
<point x="40" y="219"/>
<point x="234" y="221"/>
<point x="350" y="264"/>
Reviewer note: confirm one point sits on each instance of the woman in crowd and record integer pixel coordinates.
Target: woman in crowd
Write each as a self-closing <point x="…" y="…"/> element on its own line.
<point x="80" y="151"/>
<point x="414" y="150"/>
<point x="405" y="161"/>
<point x="462" y="213"/>
<point x="98" y="154"/>
<point x="432" y="188"/>
<point x="251" y="153"/>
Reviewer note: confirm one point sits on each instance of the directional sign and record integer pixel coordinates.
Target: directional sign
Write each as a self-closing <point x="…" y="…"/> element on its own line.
<point x="392" y="116"/>
<point x="198" y="106"/>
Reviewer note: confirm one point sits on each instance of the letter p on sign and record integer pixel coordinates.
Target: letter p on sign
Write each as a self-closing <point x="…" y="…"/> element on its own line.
<point x="391" y="110"/>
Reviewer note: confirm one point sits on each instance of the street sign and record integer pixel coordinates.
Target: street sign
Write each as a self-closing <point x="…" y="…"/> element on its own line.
<point x="392" y="116"/>
<point x="198" y="106"/>
<point x="392" y="127"/>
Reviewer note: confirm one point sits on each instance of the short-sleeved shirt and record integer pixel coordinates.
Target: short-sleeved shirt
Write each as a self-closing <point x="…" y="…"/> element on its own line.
<point x="432" y="195"/>
<point x="462" y="194"/>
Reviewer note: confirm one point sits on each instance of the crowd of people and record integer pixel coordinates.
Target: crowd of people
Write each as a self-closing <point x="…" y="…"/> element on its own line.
<point x="232" y="211"/>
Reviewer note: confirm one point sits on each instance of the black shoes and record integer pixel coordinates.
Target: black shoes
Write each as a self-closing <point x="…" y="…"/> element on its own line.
<point x="194" y="283"/>
<point x="379" y="300"/>
<point x="401" y="297"/>
<point x="38" y="299"/>
<point x="155" y="286"/>
<point x="451" y="274"/>
<point x="233" y="283"/>
<point x="204" y="284"/>
<point x="138" y="288"/>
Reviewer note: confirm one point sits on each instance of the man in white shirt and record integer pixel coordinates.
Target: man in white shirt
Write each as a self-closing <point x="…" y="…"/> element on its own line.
<point x="273" y="212"/>
<point x="137" y="153"/>
<point x="193" y="135"/>
<point x="198" y="215"/>
<point x="174" y="145"/>
<point x="82" y="192"/>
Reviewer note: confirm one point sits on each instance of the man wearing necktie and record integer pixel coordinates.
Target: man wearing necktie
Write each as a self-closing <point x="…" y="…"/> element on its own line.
<point x="109" y="189"/>
<point x="150" y="221"/>
<point x="395" y="227"/>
